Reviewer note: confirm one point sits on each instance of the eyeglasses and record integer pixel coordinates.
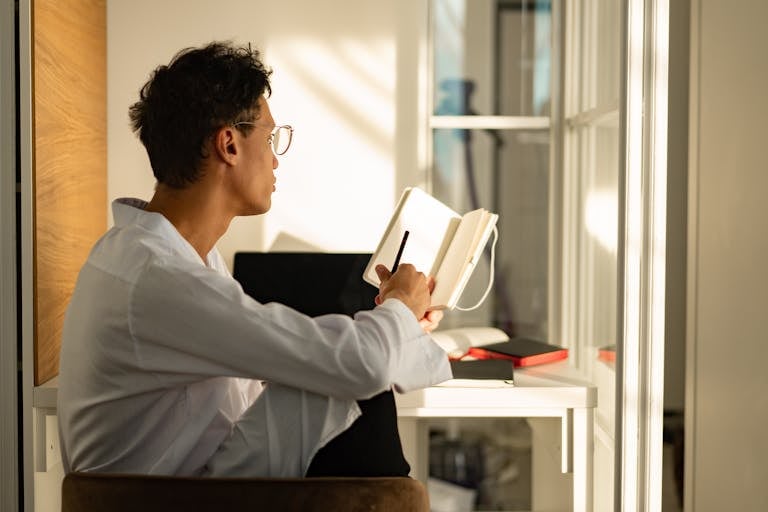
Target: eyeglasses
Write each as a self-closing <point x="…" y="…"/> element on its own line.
<point x="279" y="139"/>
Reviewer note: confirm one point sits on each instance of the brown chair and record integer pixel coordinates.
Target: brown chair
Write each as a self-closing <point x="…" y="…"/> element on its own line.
<point x="90" y="492"/>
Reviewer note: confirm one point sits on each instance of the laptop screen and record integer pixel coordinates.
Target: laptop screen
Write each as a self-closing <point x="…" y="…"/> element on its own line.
<point x="313" y="283"/>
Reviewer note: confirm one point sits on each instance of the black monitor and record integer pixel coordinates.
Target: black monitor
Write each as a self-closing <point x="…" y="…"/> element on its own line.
<point x="310" y="282"/>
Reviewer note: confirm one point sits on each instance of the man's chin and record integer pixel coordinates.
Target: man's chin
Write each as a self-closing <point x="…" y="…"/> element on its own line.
<point x="256" y="210"/>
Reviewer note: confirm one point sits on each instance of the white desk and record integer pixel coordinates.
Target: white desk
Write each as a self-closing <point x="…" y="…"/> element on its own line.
<point x="547" y="391"/>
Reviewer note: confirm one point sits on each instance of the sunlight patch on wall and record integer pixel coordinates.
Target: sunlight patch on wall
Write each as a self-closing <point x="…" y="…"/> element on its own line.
<point x="335" y="185"/>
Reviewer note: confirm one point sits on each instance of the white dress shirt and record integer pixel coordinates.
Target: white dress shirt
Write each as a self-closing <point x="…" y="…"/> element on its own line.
<point x="162" y="353"/>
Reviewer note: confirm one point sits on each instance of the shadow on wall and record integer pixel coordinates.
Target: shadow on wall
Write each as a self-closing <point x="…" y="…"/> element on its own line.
<point x="285" y="242"/>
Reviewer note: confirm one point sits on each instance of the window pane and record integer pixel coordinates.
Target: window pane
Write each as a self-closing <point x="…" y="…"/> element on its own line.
<point x="607" y="59"/>
<point x="506" y="172"/>
<point x="601" y="220"/>
<point x="590" y="212"/>
<point x="596" y="69"/>
<point x="492" y="57"/>
<point x="595" y="272"/>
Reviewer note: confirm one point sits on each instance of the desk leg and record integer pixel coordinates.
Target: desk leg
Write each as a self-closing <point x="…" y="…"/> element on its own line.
<point x="562" y="459"/>
<point x="414" y="436"/>
<point x="551" y="485"/>
<point x="583" y="454"/>
<point x="48" y="469"/>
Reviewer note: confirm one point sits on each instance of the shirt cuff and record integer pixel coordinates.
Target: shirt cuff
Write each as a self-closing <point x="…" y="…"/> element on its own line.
<point x="426" y="363"/>
<point x="399" y="307"/>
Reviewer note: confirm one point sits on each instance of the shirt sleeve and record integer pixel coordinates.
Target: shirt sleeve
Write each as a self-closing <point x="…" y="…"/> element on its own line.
<point x="191" y="322"/>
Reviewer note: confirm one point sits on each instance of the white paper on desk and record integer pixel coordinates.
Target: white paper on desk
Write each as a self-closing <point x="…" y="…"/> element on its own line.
<point x="457" y="342"/>
<point x="475" y="383"/>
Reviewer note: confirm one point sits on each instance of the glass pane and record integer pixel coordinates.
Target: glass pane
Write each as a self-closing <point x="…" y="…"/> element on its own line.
<point x="597" y="258"/>
<point x="601" y="220"/>
<point x="596" y="70"/>
<point x="590" y="216"/>
<point x="492" y="57"/>
<point x="505" y="172"/>
<point x="607" y="59"/>
<point x="596" y="269"/>
<point x="523" y="207"/>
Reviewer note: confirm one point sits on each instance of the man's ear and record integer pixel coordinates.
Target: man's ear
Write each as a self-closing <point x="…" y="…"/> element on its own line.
<point x="225" y="145"/>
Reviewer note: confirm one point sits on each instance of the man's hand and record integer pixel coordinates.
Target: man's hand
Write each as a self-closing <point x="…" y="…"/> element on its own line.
<point x="431" y="320"/>
<point x="409" y="286"/>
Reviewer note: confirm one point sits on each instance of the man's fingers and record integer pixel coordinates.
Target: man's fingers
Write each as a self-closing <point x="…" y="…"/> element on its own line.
<point x="431" y="320"/>
<point x="407" y="284"/>
<point x="435" y="315"/>
<point x="383" y="273"/>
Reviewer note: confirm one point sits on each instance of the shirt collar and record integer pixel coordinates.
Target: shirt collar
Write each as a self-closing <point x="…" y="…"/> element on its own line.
<point x="129" y="210"/>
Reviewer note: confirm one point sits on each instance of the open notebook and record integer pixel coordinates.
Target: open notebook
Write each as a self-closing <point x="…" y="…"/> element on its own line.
<point x="435" y="239"/>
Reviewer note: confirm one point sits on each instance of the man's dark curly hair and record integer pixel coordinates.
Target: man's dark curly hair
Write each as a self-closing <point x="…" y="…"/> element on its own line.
<point x="184" y="103"/>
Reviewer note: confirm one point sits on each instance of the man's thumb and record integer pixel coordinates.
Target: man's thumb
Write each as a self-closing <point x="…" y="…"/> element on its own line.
<point x="383" y="272"/>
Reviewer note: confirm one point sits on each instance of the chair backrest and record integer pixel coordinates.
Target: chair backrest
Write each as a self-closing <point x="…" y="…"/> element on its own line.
<point x="92" y="492"/>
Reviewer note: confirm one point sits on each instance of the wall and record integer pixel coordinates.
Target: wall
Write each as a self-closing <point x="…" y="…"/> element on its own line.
<point x="345" y="76"/>
<point x="727" y="403"/>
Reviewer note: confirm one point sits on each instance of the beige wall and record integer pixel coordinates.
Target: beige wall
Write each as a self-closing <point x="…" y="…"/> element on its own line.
<point x="348" y="83"/>
<point x="728" y="250"/>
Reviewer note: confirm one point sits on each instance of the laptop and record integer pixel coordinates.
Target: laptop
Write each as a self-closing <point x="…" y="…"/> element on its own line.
<point x="310" y="282"/>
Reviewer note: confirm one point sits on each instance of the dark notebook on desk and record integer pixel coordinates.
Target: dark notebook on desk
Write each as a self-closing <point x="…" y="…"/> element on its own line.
<point x="495" y="369"/>
<point x="310" y="282"/>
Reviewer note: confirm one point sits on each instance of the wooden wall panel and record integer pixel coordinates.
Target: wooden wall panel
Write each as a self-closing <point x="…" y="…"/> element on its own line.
<point x="70" y="158"/>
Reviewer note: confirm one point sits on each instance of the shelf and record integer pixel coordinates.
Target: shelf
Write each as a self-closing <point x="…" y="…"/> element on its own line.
<point x="490" y="122"/>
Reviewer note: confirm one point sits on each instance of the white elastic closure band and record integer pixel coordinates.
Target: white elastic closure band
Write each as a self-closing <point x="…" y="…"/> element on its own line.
<point x="490" y="276"/>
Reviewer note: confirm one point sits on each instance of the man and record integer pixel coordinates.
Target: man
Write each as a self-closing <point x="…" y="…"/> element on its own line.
<point x="164" y="357"/>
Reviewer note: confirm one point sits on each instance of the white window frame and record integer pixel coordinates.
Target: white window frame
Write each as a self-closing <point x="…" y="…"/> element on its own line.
<point x="641" y="113"/>
<point x="640" y="369"/>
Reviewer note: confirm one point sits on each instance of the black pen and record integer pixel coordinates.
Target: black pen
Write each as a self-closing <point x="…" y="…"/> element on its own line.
<point x="400" y="252"/>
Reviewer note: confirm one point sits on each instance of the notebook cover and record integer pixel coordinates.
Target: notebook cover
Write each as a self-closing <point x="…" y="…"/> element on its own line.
<point x="521" y="351"/>
<point x="498" y="369"/>
<point x="607" y="353"/>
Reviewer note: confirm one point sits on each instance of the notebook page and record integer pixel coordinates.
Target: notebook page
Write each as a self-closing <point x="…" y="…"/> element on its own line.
<point x="458" y="257"/>
<point x="430" y="224"/>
